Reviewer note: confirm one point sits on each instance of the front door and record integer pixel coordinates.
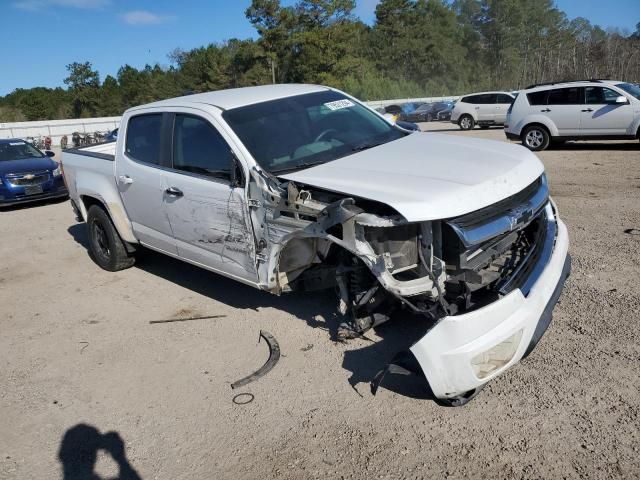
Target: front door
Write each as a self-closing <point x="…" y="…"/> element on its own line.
<point x="140" y="180"/>
<point x="208" y="215"/>
<point x="601" y="115"/>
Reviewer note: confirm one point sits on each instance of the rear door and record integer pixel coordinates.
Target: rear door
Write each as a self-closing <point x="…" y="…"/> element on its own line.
<point x="140" y="179"/>
<point x="563" y="108"/>
<point x="208" y="215"/>
<point x="601" y="115"/>
<point x="503" y="102"/>
<point x="486" y="104"/>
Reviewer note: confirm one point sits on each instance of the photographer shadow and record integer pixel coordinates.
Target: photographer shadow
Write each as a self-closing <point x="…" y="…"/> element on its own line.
<point x="79" y="452"/>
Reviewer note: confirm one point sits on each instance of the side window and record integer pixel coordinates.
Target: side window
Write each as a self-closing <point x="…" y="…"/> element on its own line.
<point x="537" y="98"/>
<point x="600" y="95"/>
<point x="465" y="100"/>
<point x="502" y="98"/>
<point x="143" y="138"/>
<point x="485" y="99"/>
<point x="565" y="96"/>
<point x="610" y="95"/>
<point x="199" y="148"/>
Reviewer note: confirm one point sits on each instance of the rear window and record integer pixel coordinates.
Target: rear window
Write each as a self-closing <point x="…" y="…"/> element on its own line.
<point x="143" y="138"/>
<point x="537" y="98"/>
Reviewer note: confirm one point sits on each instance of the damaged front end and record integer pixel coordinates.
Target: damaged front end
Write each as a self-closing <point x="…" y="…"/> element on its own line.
<point x="475" y="279"/>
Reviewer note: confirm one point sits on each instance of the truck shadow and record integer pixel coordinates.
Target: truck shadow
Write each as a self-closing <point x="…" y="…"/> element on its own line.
<point x="317" y="309"/>
<point x="79" y="452"/>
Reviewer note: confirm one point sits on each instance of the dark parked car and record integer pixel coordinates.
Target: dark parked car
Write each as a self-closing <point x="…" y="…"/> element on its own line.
<point x="393" y="109"/>
<point x="112" y="136"/>
<point x="425" y="113"/>
<point x="27" y="174"/>
<point x="445" y="114"/>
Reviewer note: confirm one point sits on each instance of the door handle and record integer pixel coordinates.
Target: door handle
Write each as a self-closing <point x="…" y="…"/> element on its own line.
<point x="588" y="110"/>
<point x="125" y="179"/>
<point x="174" y="192"/>
<point x="546" y="110"/>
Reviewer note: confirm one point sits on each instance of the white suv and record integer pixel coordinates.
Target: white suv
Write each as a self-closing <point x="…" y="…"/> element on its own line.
<point x="483" y="109"/>
<point x="580" y="110"/>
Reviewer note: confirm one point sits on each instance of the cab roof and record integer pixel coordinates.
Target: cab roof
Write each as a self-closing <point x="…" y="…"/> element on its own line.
<point x="237" y="97"/>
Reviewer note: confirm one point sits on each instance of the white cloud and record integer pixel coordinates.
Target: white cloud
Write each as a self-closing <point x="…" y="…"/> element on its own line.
<point x="41" y="5"/>
<point x="143" y="17"/>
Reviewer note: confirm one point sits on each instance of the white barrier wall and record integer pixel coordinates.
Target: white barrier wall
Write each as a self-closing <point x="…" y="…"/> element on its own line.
<point x="57" y="128"/>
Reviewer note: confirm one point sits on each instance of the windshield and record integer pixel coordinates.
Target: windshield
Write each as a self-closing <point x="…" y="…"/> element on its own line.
<point x="18" y="151"/>
<point x="630" y="88"/>
<point x="298" y="132"/>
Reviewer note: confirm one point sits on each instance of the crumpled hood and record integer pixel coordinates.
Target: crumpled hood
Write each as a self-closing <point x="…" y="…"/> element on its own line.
<point x="35" y="164"/>
<point x="429" y="176"/>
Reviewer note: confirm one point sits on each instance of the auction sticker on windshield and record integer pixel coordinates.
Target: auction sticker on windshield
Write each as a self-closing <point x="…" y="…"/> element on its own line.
<point x="339" y="104"/>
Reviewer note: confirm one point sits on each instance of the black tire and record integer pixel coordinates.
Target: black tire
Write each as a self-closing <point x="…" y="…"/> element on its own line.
<point x="466" y="122"/>
<point x="105" y="245"/>
<point x="535" y="138"/>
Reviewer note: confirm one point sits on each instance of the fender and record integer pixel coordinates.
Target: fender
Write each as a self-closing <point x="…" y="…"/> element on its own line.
<point x="103" y="189"/>
<point x="541" y="119"/>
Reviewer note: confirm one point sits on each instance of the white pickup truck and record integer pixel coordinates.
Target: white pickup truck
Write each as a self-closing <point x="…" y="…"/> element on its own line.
<point x="302" y="187"/>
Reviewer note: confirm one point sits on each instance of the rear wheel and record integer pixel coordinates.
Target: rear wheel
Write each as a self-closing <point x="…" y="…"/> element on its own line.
<point x="535" y="138"/>
<point x="105" y="245"/>
<point x="466" y="122"/>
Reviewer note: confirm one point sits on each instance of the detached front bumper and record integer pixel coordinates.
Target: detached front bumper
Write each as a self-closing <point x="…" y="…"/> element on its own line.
<point x="461" y="353"/>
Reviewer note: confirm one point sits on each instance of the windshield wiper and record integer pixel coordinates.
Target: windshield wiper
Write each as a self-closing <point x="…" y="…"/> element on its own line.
<point x="298" y="166"/>
<point x="366" y="146"/>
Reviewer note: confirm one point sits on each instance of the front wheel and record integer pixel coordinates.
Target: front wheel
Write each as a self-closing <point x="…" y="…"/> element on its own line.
<point x="535" y="138"/>
<point x="105" y="245"/>
<point x="466" y="122"/>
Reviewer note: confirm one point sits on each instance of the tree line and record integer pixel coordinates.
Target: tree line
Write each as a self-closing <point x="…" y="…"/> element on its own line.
<point x="414" y="48"/>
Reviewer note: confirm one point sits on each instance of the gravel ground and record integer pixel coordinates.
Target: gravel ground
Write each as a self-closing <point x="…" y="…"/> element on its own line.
<point x="83" y="370"/>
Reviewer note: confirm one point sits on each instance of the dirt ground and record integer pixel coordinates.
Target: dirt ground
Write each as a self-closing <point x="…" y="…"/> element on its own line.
<point x="79" y="359"/>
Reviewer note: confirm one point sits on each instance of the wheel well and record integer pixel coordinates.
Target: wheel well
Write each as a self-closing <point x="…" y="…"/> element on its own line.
<point x="88" y="202"/>
<point x="535" y="124"/>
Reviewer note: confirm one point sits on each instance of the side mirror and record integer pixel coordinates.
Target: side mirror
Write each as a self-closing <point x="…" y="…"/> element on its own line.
<point x="50" y="153"/>
<point x="622" y="99"/>
<point x="237" y="175"/>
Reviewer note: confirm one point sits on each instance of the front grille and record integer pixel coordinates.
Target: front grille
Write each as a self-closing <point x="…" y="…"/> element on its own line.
<point x="27" y="179"/>
<point x="505" y="216"/>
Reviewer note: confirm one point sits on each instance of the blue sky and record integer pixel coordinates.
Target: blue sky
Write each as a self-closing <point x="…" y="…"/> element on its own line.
<point x="40" y="37"/>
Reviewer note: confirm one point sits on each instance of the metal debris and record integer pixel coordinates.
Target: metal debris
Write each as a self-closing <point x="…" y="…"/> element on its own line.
<point x="186" y="319"/>
<point x="238" y="399"/>
<point x="274" y="356"/>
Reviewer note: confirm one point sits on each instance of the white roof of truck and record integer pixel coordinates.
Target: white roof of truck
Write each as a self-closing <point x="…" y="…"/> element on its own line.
<point x="238" y="97"/>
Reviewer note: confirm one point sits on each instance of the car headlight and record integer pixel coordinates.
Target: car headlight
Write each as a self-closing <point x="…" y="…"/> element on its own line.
<point x="57" y="172"/>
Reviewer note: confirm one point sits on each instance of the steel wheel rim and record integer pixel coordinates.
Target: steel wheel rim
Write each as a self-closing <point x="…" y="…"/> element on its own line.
<point x="534" y="138"/>
<point x="100" y="239"/>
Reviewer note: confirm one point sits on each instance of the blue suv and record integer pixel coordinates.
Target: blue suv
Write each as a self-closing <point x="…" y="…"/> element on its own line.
<point x="27" y="174"/>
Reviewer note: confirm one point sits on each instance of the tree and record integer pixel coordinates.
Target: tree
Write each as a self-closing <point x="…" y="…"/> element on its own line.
<point x="83" y="83"/>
